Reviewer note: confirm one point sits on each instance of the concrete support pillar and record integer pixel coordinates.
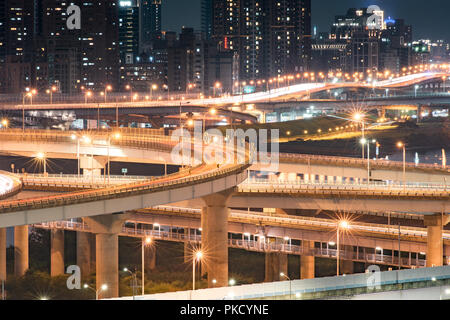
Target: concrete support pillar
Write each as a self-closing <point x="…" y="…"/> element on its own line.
<point x="106" y="229"/>
<point x="215" y="237"/>
<point x="84" y="244"/>
<point x="330" y="179"/>
<point x="321" y="179"/>
<point x="107" y="269"/>
<point x="307" y="261"/>
<point x="435" y="249"/>
<point x="346" y="264"/>
<point x="57" y="252"/>
<point x="339" y="180"/>
<point x="2" y="254"/>
<point x="275" y="264"/>
<point x="20" y="250"/>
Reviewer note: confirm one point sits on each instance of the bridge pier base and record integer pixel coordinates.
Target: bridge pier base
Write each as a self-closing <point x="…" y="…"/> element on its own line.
<point x="106" y="229"/>
<point x="307" y="261"/>
<point x="21" y="262"/>
<point x="57" y="252"/>
<point x="275" y="264"/>
<point x="2" y="254"/>
<point x="84" y="244"/>
<point x="214" y="222"/>
<point x="435" y="249"/>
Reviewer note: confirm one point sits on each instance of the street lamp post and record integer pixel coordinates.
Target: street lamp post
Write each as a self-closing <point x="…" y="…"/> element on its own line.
<point x="103" y="287"/>
<point x="197" y="257"/>
<point x="145" y="241"/>
<point x="128" y="87"/>
<point x="107" y="88"/>
<point x="290" y="284"/>
<point x="152" y="87"/>
<point x="363" y="142"/>
<point x="133" y="274"/>
<point x="402" y="145"/>
<point x="341" y="225"/>
<point x="41" y="156"/>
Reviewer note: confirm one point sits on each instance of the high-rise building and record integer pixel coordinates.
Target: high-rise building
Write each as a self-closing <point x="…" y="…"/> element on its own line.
<point x="86" y="57"/>
<point x="129" y="31"/>
<point x="270" y="37"/>
<point x="289" y="36"/>
<point x="150" y="22"/>
<point x="207" y="18"/>
<point x="16" y="45"/>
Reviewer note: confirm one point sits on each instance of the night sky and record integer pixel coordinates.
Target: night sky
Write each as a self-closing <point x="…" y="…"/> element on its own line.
<point x="428" y="17"/>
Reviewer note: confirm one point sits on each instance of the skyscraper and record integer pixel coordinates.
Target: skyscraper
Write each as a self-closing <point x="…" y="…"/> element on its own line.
<point x="16" y="45"/>
<point x="129" y="31"/>
<point x="207" y="18"/>
<point x="271" y="37"/>
<point x="87" y="57"/>
<point x="150" y="22"/>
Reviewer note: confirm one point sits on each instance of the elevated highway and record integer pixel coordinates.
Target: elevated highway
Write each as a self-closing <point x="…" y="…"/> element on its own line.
<point x="273" y="95"/>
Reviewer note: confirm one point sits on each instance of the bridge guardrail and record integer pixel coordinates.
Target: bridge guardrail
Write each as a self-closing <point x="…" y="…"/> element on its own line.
<point x="15" y="187"/>
<point x="251" y="245"/>
<point x="117" y="191"/>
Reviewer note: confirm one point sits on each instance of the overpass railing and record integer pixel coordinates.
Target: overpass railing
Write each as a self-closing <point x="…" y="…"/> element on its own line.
<point x="10" y="184"/>
<point x="250" y="245"/>
<point x="372" y="191"/>
<point x="374" y="164"/>
<point x="372" y="184"/>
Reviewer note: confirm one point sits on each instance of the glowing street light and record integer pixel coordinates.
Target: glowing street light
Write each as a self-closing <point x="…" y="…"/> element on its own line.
<point x="107" y="88"/>
<point x="5" y="123"/>
<point x="365" y="141"/>
<point x="402" y="146"/>
<point x="152" y="87"/>
<point x="290" y="284"/>
<point x="217" y="85"/>
<point x="232" y="282"/>
<point x="103" y="287"/>
<point x="198" y="255"/>
<point x="87" y="95"/>
<point x="41" y="157"/>
<point x="341" y="225"/>
<point x="133" y="274"/>
<point x="147" y="241"/>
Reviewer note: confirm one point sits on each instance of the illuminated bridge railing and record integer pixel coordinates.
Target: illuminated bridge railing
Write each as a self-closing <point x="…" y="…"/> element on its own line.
<point x="250" y="245"/>
<point x="375" y="185"/>
<point x="74" y="181"/>
<point x="183" y="178"/>
<point x="374" y="164"/>
<point x="372" y="191"/>
<point x="10" y="184"/>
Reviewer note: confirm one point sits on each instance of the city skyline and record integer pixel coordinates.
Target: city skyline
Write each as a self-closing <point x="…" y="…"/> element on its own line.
<point x="433" y="27"/>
